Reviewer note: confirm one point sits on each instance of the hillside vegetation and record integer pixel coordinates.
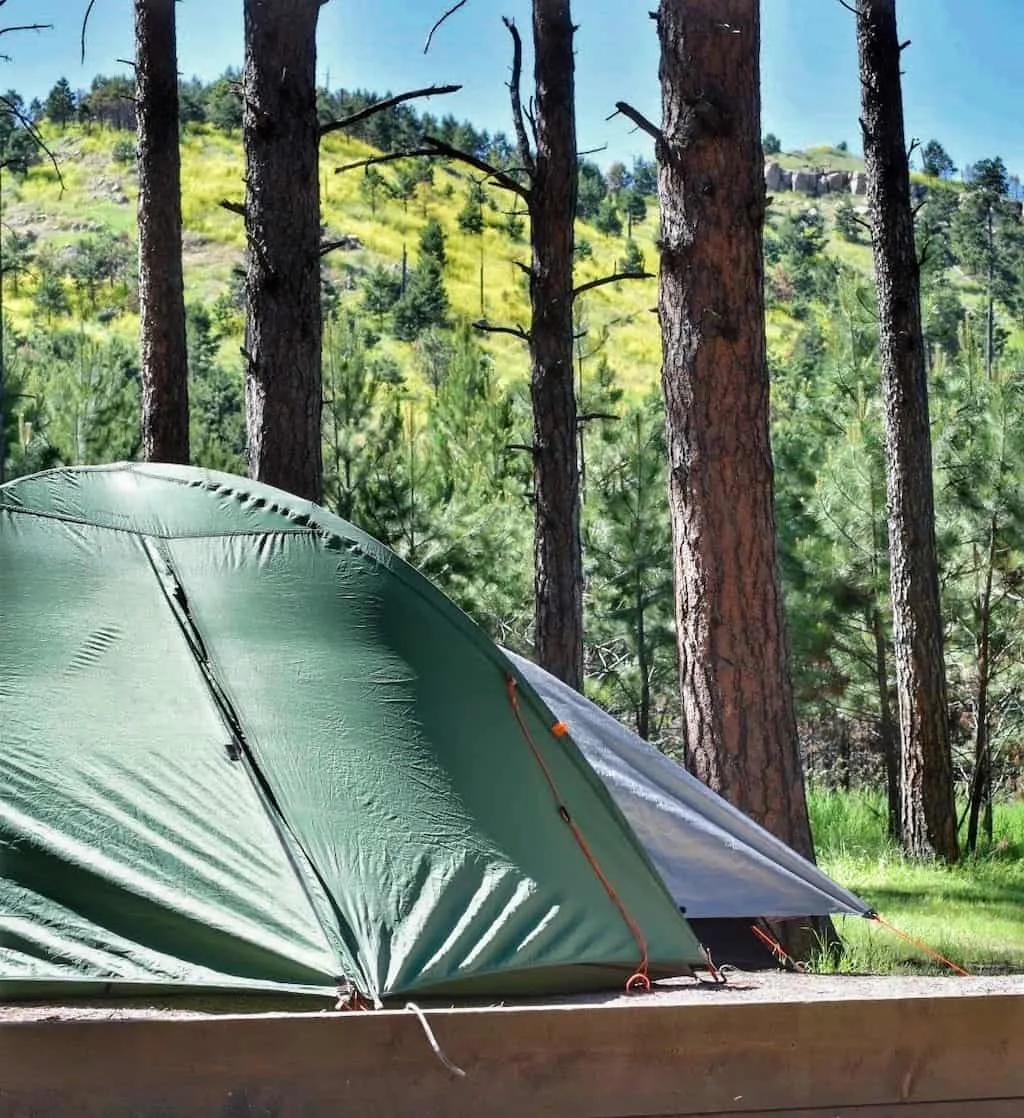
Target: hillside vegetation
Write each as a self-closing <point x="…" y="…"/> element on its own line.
<point x="98" y="199"/>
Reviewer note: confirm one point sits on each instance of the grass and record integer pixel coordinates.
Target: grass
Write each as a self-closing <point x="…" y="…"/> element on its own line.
<point x="972" y="913"/>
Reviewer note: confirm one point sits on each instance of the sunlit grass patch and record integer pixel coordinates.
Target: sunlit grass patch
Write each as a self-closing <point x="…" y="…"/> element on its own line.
<point x="973" y="913"/>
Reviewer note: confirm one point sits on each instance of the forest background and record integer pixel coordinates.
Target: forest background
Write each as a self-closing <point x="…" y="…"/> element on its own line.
<point x="426" y="420"/>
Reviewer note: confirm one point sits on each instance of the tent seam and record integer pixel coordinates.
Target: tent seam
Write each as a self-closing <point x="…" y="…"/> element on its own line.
<point x="233" y="723"/>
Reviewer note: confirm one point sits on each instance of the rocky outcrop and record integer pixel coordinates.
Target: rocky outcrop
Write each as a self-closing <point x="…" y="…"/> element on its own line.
<point x="838" y="181"/>
<point x="812" y="181"/>
<point x="775" y="178"/>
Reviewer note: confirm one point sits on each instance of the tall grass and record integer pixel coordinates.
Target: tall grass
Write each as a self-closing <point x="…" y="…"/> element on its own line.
<point x="973" y="913"/>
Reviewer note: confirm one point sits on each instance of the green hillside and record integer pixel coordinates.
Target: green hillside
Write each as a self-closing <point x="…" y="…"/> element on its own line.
<point x="99" y="196"/>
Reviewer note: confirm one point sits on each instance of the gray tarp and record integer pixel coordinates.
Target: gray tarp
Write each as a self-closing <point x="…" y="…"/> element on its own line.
<point x="715" y="861"/>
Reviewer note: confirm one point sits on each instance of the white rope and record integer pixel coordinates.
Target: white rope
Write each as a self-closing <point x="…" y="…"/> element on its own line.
<point x="453" y="1068"/>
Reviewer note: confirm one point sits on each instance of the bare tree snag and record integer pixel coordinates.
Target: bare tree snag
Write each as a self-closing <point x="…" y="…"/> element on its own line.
<point x="928" y="823"/>
<point x="558" y="562"/>
<point x="282" y="224"/>
<point x="549" y="191"/>
<point x="161" y="287"/>
<point x="738" y="713"/>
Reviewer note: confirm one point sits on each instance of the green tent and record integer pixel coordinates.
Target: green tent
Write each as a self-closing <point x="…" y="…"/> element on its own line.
<point x="244" y="746"/>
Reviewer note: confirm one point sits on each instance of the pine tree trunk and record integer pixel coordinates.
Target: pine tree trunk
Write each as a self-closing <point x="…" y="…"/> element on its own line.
<point x="738" y="713"/>
<point x="981" y="784"/>
<point x="928" y="815"/>
<point x="558" y="564"/>
<point x="282" y="218"/>
<point x="161" y="290"/>
<point x="886" y="729"/>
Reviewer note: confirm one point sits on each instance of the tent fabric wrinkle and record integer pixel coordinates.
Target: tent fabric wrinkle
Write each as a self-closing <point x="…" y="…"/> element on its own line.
<point x="245" y="746"/>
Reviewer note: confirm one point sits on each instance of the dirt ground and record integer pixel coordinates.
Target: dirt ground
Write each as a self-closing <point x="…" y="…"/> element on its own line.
<point x="740" y="987"/>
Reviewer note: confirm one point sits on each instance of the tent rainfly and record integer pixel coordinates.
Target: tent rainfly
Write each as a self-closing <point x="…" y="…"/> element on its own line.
<point x="244" y="746"/>
<point x="723" y="869"/>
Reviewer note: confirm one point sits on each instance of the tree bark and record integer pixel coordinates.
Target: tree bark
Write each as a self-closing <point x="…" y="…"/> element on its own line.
<point x="981" y="782"/>
<point x="282" y="220"/>
<point x="161" y="290"/>
<point x="558" y="563"/>
<point x="886" y="729"/>
<point x="928" y="816"/>
<point x="738" y="713"/>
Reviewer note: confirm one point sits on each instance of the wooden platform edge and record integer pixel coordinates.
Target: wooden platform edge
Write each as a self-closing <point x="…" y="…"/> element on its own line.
<point x="923" y="1056"/>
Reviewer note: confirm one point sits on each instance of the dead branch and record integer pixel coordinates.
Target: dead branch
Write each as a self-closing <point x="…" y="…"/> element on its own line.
<point x="330" y="246"/>
<point x="589" y="416"/>
<point x="524" y="268"/>
<point x="232" y="207"/>
<point x="522" y="142"/>
<point x="383" y="106"/>
<point x="614" y="278"/>
<point x="591" y="151"/>
<point x="85" y="23"/>
<point x="532" y="119"/>
<point x="520" y="446"/>
<point x="412" y="153"/>
<point x="499" y="177"/>
<point x="27" y="27"/>
<point x="450" y="12"/>
<point x="489" y="328"/>
<point x="848" y="7"/>
<point x="639" y="120"/>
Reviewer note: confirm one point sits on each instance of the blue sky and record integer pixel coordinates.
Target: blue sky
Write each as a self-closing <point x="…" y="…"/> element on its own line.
<point x="963" y="80"/>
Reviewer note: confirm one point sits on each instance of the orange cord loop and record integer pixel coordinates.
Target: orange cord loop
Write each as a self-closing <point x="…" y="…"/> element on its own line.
<point x="638" y="981"/>
<point x="640" y="978"/>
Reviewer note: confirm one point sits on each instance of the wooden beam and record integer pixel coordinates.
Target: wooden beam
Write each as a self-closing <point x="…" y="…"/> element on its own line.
<point x="927" y="1056"/>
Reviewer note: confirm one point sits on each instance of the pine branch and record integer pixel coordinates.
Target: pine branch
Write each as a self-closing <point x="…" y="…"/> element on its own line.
<point x="450" y="12"/>
<point x="614" y="278"/>
<point x="383" y="106"/>
<point x="515" y="331"/>
<point x="522" y="142"/>
<point x="639" y="120"/>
